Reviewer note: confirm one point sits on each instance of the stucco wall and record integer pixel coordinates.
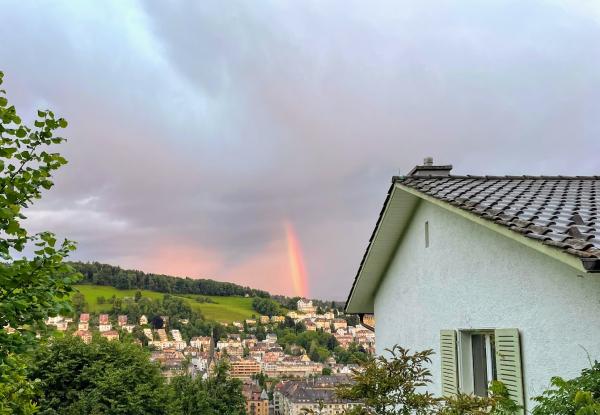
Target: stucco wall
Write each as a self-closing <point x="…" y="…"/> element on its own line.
<point x="472" y="277"/>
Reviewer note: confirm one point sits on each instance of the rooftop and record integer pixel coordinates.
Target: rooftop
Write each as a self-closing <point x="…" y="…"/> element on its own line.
<point x="559" y="211"/>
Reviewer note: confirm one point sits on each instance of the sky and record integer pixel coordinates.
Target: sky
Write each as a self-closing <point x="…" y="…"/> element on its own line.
<point x="254" y="141"/>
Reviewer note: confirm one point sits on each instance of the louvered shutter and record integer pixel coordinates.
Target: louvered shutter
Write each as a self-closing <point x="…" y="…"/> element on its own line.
<point x="449" y="363"/>
<point x="508" y="362"/>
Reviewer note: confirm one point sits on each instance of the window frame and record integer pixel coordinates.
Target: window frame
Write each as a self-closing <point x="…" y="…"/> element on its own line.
<point x="465" y="357"/>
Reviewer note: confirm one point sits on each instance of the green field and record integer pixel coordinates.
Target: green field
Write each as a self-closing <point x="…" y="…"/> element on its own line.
<point x="224" y="309"/>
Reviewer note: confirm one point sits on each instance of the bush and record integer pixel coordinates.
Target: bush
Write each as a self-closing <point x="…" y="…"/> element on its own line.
<point x="578" y="396"/>
<point x="498" y="403"/>
<point x="99" y="378"/>
<point x="396" y="385"/>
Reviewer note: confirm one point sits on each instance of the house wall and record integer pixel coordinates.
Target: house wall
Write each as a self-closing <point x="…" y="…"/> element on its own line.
<point x="473" y="277"/>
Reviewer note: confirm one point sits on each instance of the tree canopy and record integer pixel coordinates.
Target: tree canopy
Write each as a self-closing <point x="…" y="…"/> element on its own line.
<point x="114" y="276"/>
<point x="30" y="289"/>
<point x="100" y="378"/>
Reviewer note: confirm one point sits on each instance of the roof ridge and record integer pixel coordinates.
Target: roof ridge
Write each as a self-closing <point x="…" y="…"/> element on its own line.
<point x="495" y="177"/>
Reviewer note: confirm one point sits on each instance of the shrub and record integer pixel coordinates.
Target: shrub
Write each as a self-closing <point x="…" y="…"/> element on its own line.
<point x="498" y="403"/>
<point x="396" y="385"/>
<point x="578" y="396"/>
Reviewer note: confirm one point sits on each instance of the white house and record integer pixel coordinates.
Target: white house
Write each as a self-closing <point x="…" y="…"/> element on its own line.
<point x="305" y="306"/>
<point x="498" y="275"/>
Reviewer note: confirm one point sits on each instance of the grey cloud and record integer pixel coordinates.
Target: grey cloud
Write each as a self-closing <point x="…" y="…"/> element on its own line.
<point x="209" y="124"/>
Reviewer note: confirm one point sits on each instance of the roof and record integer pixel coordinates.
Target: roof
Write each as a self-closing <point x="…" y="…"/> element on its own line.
<point x="320" y="388"/>
<point x="556" y="215"/>
<point x="558" y="211"/>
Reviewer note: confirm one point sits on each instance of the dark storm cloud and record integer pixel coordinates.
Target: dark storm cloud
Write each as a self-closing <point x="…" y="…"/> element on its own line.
<point x="197" y="128"/>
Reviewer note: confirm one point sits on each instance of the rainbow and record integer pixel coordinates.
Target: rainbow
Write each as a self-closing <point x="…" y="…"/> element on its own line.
<point x="297" y="269"/>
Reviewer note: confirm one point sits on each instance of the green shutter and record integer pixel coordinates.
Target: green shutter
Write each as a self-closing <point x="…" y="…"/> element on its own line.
<point x="508" y="362"/>
<point x="449" y="362"/>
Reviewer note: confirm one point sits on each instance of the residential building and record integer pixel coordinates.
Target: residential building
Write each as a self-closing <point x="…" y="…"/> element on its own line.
<point x="84" y="318"/>
<point x="277" y="319"/>
<point x="243" y="368"/>
<point x="310" y="326"/>
<point x="84" y="335"/>
<point x="490" y="272"/>
<point x="51" y="321"/>
<point x="257" y="400"/>
<point x="305" y="306"/>
<point x="143" y="320"/>
<point x="172" y="363"/>
<point x="83" y="326"/>
<point x="339" y="323"/>
<point x="202" y="343"/>
<point x="321" y="323"/>
<point x="318" y="394"/>
<point x="176" y="335"/>
<point x="162" y="335"/>
<point x="122" y="320"/>
<point x="104" y="323"/>
<point x="110" y="335"/>
<point x="62" y="325"/>
<point x="9" y="329"/>
<point x="148" y="334"/>
<point x="264" y="319"/>
<point x="129" y="328"/>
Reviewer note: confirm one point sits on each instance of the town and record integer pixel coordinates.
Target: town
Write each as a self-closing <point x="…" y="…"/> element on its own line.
<point x="276" y="379"/>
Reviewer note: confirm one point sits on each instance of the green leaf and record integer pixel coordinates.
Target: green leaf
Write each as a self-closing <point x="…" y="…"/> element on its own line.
<point x="21" y="132"/>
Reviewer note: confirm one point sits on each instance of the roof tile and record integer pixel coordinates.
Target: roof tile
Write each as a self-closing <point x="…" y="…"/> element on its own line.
<point x="558" y="211"/>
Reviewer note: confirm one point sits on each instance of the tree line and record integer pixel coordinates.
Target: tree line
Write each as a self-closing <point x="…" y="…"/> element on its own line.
<point x="126" y="279"/>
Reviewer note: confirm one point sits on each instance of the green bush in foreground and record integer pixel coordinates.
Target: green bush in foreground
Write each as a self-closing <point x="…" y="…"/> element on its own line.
<point x="396" y="385"/>
<point x="100" y="378"/>
<point x="35" y="288"/>
<point x="578" y="396"/>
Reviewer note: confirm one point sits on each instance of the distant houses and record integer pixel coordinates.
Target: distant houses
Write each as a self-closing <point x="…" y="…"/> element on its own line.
<point x="247" y="355"/>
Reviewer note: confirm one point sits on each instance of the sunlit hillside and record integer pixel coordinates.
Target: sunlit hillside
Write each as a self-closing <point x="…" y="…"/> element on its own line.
<point x="224" y="309"/>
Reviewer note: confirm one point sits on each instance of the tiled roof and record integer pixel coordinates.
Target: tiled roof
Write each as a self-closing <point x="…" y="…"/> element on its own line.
<point x="563" y="212"/>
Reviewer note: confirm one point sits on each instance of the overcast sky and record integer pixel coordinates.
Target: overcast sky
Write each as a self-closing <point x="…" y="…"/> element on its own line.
<point x="198" y="129"/>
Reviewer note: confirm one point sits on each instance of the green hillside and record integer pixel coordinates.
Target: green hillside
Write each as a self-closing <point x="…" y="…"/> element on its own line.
<point x="224" y="309"/>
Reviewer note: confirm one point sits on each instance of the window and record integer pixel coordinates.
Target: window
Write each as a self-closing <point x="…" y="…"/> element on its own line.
<point x="470" y="359"/>
<point x="477" y="361"/>
<point x="426" y="234"/>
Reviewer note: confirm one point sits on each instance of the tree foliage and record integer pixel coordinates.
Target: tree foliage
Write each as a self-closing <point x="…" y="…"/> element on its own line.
<point x="103" y="274"/>
<point x="100" y="378"/>
<point x="393" y="385"/>
<point x="266" y="306"/>
<point x="217" y="395"/>
<point x="30" y="289"/>
<point x="396" y="385"/>
<point x="354" y="354"/>
<point x="319" y="345"/>
<point x="578" y="396"/>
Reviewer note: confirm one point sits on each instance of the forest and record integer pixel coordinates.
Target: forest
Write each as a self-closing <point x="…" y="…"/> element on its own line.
<point x="124" y="279"/>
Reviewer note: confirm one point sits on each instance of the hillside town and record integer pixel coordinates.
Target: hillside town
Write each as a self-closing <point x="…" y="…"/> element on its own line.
<point x="291" y="380"/>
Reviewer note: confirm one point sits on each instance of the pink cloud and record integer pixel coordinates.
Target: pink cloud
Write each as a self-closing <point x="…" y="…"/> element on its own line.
<point x="267" y="270"/>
